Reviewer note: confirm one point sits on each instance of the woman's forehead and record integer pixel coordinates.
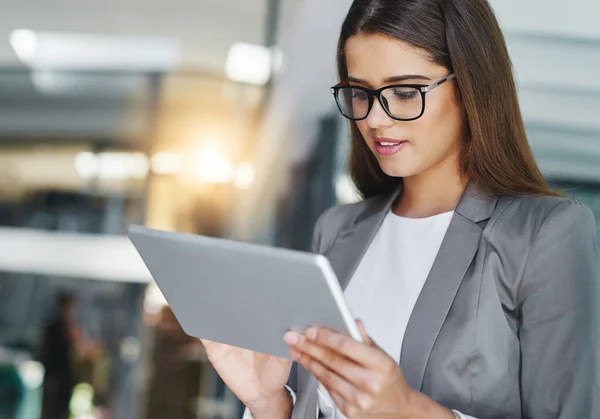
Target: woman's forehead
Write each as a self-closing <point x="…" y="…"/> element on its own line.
<point x="377" y="57"/>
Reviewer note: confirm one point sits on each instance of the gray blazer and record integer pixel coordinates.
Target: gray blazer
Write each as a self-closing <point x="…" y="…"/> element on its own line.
<point x="508" y="322"/>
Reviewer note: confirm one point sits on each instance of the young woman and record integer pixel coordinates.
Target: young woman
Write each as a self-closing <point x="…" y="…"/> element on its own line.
<point x="478" y="286"/>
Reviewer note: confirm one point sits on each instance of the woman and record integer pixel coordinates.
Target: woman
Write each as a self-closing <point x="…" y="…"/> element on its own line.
<point x="478" y="285"/>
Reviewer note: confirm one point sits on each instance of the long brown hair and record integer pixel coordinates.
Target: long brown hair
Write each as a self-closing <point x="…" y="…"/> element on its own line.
<point x="463" y="36"/>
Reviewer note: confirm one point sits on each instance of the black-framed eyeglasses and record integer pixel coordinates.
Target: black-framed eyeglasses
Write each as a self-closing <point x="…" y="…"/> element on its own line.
<point x="402" y="102"/>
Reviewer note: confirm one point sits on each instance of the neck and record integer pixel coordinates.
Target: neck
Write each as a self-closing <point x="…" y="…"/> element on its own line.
<point x="429" y="194"/>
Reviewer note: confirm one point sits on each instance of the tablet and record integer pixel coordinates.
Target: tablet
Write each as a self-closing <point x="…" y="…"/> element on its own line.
<point x="243" y="294"/>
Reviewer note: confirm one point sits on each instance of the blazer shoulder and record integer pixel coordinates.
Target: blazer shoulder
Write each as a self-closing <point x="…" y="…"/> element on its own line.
<point x="521" y="225"/>
<point x="527" y="214"/>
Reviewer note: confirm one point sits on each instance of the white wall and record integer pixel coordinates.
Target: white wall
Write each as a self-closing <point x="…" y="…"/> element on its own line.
<point x="578" y="18"/>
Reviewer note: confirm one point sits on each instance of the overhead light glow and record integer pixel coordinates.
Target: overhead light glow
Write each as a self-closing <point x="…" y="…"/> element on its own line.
<point x="83" y="51"/>
<point x="244" y="176"/>
<point x="213" y="167"/>
<point x="86" y="165"/>
<point x="32" y="374"/>
<point x="166" y="163"/>
<point x="249" y="63"/>
<point x="112" y="165"/>
<point x="24" y="43"/>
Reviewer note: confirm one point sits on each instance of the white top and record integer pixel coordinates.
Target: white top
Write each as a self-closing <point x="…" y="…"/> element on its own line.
<point x="385" y="287"/>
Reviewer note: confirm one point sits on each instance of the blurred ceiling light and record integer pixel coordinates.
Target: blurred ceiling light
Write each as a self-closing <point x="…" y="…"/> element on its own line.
<point x="24" y="43"/>
<point x="79" y="51"/>
<point x="82" y="401"/>
<point x="112" y="165"/>
<point x="123" y="165"/>
<point x="244" y="176"/>
<point x="32" y="374"/>
<point x="166" y="163"/>
<point x="86" y="165"/>
<point x="213" y="167"/>
<point x="249" y="63"/>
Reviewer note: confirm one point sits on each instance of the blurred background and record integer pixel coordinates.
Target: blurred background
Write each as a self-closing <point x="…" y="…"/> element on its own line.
<point x="211" y="117"/>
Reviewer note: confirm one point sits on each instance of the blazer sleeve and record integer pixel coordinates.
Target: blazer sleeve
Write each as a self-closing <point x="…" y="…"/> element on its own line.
<point x="559" y="329"/>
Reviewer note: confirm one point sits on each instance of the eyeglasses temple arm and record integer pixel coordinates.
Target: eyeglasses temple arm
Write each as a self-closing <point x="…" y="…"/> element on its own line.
<point x="436" y="84"/>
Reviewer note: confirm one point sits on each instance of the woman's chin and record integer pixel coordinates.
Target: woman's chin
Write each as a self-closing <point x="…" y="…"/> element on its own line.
<point x="395" y="171"/>
<point x="398" y="166"/>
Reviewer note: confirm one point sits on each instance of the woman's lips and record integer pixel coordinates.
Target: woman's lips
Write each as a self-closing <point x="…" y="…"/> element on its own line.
<point x="388" y="146"/>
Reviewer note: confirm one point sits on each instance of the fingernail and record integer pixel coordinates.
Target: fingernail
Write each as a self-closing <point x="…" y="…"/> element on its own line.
<point x="291" y="338"/>
<point x="311" y="333"/>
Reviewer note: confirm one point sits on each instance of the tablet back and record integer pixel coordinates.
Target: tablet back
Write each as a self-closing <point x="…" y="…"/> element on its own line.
<point x="242" y="294"/>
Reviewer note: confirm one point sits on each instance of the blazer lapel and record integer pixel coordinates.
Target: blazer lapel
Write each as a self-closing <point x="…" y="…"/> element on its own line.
<point x="306" y="407"/>
<point x="353" y="241"/>
<point x="456" y="253"/>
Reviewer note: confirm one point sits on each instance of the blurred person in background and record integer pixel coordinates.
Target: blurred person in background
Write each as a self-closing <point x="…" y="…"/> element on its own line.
<point x="477" y="283"/>
<point x="175" y="378"/>
<point x="63" y="340"/>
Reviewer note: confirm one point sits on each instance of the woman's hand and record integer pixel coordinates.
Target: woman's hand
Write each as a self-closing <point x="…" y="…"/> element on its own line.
<point x="363" y="381"/>
<point x="258" y="380"/>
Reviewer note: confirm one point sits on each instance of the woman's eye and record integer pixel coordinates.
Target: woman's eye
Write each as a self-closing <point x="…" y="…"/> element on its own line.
<point x="406" y="93"/>
<point x="359" y="94"/>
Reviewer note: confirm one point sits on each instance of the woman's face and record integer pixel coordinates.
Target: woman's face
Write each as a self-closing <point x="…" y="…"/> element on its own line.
<point x="428" y="143"/>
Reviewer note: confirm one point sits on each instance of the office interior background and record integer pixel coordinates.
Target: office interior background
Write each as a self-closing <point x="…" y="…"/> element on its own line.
<point x="211" y="117"/>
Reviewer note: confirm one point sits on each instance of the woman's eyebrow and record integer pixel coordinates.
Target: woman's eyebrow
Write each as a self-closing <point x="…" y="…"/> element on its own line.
<point x="393" y="79"/>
